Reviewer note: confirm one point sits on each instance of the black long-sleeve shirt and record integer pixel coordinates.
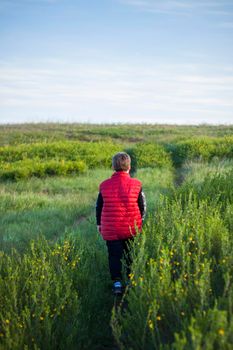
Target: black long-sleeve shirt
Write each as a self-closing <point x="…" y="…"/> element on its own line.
<point x="100" y="203"/>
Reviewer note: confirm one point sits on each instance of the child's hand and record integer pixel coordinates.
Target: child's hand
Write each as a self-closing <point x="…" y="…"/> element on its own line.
<point x="99" y="228"/>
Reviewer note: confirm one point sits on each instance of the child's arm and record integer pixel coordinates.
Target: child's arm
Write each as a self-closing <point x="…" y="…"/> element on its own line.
<point x="99" y="206"/>
<point x="142" y="204"/>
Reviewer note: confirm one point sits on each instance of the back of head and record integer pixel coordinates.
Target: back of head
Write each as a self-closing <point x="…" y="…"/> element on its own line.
<point x="121" y="162"/>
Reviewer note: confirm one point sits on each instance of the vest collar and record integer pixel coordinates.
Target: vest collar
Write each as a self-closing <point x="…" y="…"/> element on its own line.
<point x="120" y="173"/>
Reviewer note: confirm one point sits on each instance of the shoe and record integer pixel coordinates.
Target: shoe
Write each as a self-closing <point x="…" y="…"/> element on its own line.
<point x="117" y="288"/>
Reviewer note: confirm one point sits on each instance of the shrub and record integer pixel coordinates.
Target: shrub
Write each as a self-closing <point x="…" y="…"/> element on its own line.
<point x="95" y="154"/>
<point x="56" y="158"/>
<point x="27" y="168"/>
<point x="38" y="296"/>
<point x="182" y="267"/>
<point x="206" y="330"/>
<point x="150" y="155"/>
<point x="204" y="148"/>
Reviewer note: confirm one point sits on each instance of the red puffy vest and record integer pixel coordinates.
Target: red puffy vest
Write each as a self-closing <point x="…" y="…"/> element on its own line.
<point x="120" y="217"/>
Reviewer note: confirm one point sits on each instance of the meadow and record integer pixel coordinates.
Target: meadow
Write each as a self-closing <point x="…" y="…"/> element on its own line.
<point x="55" y="288"/>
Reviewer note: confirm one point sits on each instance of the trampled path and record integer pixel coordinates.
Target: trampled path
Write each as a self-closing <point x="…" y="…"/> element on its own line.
<point x="99" y="300"/>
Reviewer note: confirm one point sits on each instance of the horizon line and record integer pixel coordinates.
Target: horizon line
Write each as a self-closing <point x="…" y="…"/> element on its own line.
<point x="114" y="124"/>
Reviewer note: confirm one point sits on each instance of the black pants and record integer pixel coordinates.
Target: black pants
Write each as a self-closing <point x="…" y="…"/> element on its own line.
<point x="116" y="251"/>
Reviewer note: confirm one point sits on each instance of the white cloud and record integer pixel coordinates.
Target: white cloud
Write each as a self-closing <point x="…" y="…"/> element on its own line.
<point x="180" y="7"/>
<point x="95" y="91"/>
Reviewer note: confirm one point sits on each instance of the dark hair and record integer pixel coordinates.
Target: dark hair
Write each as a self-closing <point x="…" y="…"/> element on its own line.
<point x="121" y="161"/>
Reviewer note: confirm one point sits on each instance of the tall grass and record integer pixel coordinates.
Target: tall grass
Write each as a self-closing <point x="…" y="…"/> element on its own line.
<point x="180" y="296"/>
<point x="39" y="298"/>
<point x="27" y="209"/>
<point x="55" y="287"/>
<point x="45" y="206"/>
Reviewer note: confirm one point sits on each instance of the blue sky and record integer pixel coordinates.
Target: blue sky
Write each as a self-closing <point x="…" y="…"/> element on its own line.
<point x="104" y="61"/>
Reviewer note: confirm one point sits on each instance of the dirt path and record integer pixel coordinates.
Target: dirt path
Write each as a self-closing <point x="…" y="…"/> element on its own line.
<point x="179" y="177"/>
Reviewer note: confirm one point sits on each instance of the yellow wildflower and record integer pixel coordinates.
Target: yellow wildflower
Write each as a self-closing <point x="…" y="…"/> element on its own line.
<point x="150" y="324"/>
<point x="131" y="276"/>
<point x="221" y="331"/>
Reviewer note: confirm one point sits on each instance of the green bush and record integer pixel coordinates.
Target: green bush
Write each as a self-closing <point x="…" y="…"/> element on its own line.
<point x="27" y="168"/>
<point x="38" y="296"/>
<point x="94" y="154"/>
<point x="56" y="158"/>
<point x="150" y="155"/>
<point x="182" y="266"/>
<point x="207" y="330"/>
<point x="204" y="148"/>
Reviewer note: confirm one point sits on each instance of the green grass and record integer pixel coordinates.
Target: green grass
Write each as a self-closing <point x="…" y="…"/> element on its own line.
<point x="55" y="286"/>
<point x="181" y="284"/>
<point x="47" y="207"/>
<point x="196" y="171"/>
<point x="62" y="209"/>
<point x="30" y="133"/>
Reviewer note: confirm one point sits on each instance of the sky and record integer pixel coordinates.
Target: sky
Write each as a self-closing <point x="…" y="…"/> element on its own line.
<point x="116" y="61"/>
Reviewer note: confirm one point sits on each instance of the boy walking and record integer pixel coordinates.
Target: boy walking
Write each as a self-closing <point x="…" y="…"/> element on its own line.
<point x="120" y="211"/>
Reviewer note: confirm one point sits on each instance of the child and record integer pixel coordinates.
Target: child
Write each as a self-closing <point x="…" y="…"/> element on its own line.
<point x="120" y="211"/>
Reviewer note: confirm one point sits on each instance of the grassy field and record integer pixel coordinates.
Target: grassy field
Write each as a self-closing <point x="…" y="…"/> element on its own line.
<point x="55" y="288"/>
<point x="29" y="133"/>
